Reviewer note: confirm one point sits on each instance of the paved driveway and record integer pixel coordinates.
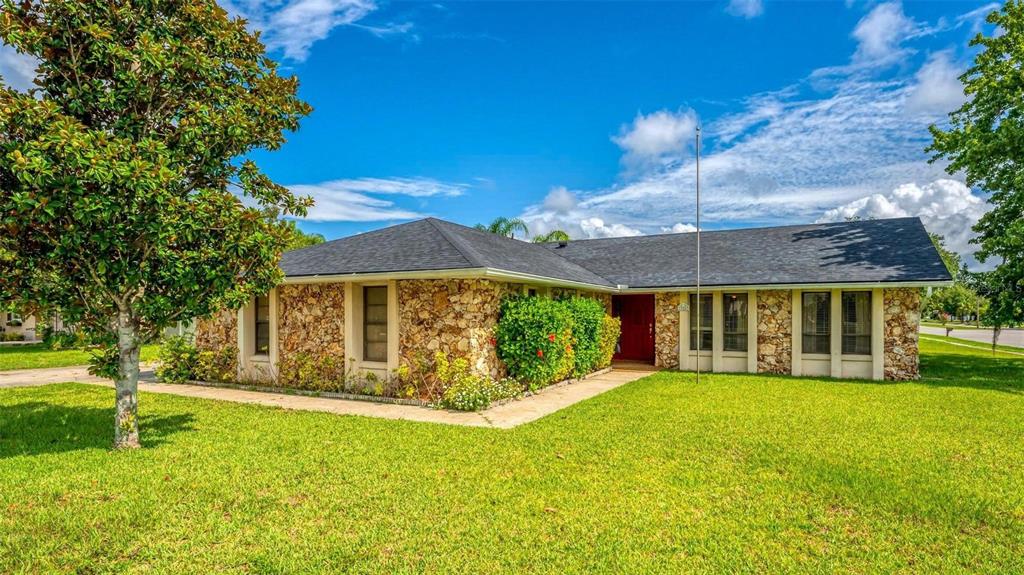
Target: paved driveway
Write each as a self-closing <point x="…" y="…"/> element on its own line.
<point x="1013" y="337"/>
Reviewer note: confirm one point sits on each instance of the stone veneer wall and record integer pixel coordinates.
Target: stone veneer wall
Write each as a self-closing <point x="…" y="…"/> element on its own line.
<point x="218" y="331"/>
<point x="902" y="319"/>
<point x="457" y="317"/>
<point x="774" y="331"/>
<point x="311" y="320"/>
<point x="666" y="329"/>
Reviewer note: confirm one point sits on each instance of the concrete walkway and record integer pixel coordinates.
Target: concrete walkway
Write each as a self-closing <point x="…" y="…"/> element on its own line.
<point x="504" y="416"/>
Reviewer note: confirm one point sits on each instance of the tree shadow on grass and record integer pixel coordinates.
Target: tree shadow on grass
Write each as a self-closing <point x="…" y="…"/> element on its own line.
<point x="37" y="427"/>
<point x="973" y="371"/>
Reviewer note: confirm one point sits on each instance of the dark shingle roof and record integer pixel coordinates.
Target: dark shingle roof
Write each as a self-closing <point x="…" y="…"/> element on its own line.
<point x="432" y="244"/>
<point x="896" y="250"/>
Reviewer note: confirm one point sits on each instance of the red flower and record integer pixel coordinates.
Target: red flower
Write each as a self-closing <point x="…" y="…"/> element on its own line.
<point x="540" y="353"/>
<point x="494" y="341"/>
<point x="551" y="337"/>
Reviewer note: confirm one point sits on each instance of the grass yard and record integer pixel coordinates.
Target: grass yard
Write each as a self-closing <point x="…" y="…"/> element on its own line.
<point x="738" y="474"/>
<point x="37" y="355"/>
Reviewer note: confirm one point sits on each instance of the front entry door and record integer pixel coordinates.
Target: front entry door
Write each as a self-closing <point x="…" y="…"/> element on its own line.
<point x="637" y="315"/>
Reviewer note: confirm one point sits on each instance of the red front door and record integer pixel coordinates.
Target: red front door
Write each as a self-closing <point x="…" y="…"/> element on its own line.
<point x="637" y="315"/>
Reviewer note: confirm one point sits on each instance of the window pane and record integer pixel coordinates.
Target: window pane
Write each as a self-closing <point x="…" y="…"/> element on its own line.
<point x="377" y="314"/>
<point x="706" y="315"/>
<point x="857" y="323"/>
<point x="735" y="328"/>
<point x="817" y="322"/>
<point x="262" y="325"/>
<point x="376" y="295"/>
<point x="262" y="308"/>
<point x="262" y="338"/>
<point x="376" y="352"/>
<point x="375" y="323"/>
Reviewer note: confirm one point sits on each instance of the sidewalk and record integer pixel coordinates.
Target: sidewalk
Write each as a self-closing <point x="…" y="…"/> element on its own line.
<point x="504" y="416"/>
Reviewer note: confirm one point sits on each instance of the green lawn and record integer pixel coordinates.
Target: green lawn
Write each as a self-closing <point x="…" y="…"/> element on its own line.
<point x="36" y="355"/>
<point x="738" y="474"/>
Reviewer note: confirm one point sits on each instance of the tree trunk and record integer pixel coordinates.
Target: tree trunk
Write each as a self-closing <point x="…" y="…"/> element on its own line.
<point x="126" y="421"/>
<point x="995" y="337"/>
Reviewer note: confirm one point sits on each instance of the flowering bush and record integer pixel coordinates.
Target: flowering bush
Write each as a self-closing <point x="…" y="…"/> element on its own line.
<point x="535" y="340"/>
<point x="467" y="391"/>
<point x="544" y="340"/>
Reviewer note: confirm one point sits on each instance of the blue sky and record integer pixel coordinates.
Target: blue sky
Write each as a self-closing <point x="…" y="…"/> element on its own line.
<point x="581" y="116"/>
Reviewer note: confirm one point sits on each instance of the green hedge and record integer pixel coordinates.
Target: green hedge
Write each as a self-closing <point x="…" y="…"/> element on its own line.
<point x="543" y="340"/>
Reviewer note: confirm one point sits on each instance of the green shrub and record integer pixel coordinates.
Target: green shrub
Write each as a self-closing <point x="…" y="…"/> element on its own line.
<point x="467" y="391"/>
<point x="217" y="366"/>
<point x="608" y="338"/>
<point x="535" y="340"/>
<point x="304" y="371"/>
<point x="177" y="360"/>
<point x="587" y="317"/>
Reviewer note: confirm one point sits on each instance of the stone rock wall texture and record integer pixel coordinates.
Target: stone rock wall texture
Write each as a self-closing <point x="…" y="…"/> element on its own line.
<point x="902" y="321"/>
<point x="457" y="317"/>
<point x="218" y="331"/>
<point x="311" y="320"/>
<point x="666" y="329"/>
<point x="774" y="331"/>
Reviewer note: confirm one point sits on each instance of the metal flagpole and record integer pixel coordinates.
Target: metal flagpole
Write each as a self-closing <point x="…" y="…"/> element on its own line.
<point x="699" y="334"/>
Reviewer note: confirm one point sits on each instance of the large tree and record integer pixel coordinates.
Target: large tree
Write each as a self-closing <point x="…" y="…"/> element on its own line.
<point x="125" y="198"/>
<point x="985" y="141"/>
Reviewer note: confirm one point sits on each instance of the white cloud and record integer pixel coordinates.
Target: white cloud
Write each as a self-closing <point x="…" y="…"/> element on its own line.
<point x="293" y="26"/>
<point x="659" y="136"/>
<point x="745" y="8"/>
<point x="354" y="201"/>
<point x="947" y="207"/>
<point x="17" y="70"/>
<point x="882" y="31"/>
<point x="937" y="89"/>
<point x="560" y="200"/>
<point x="596" y="228"/>
<point x="679" y="228"/>
<point x="880" y="36"/>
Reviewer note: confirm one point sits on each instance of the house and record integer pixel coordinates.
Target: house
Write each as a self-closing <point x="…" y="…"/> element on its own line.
<point x="833" y="299"/>
<point x="17" y="327"/>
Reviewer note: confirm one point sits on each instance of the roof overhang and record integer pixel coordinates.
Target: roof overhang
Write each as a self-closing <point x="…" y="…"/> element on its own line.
<point x="510" y="276"/>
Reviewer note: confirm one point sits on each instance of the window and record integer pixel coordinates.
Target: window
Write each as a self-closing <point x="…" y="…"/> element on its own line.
<point x="816" y="321"/>
<point x="857" y="322"/>
<point x="262" y="325"/>
<point x="735" y="328"/>
<point x="375" y="323"/>
<point x="705" y="321"/>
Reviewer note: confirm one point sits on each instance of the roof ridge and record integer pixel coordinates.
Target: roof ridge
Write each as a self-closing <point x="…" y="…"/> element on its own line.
<point x="530" y="246"/>
<point x="468" y="253"/>
<point x="754" y="228"/>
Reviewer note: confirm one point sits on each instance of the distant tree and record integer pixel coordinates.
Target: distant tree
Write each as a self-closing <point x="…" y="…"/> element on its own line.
<point x="1005" y="297"/>
<point x="298" y="239"/>
<point x="952" y="259"/>
<point x="505" y="227"/>
<point x="552" y="236"/>
<point x="950" y="302"/>
<point x="983" y="142"/>
<point x="120" y="178"/>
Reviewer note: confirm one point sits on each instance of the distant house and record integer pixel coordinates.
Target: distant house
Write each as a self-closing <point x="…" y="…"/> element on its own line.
<point x="837" y="299"/>
<point x="18" y="326"/>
